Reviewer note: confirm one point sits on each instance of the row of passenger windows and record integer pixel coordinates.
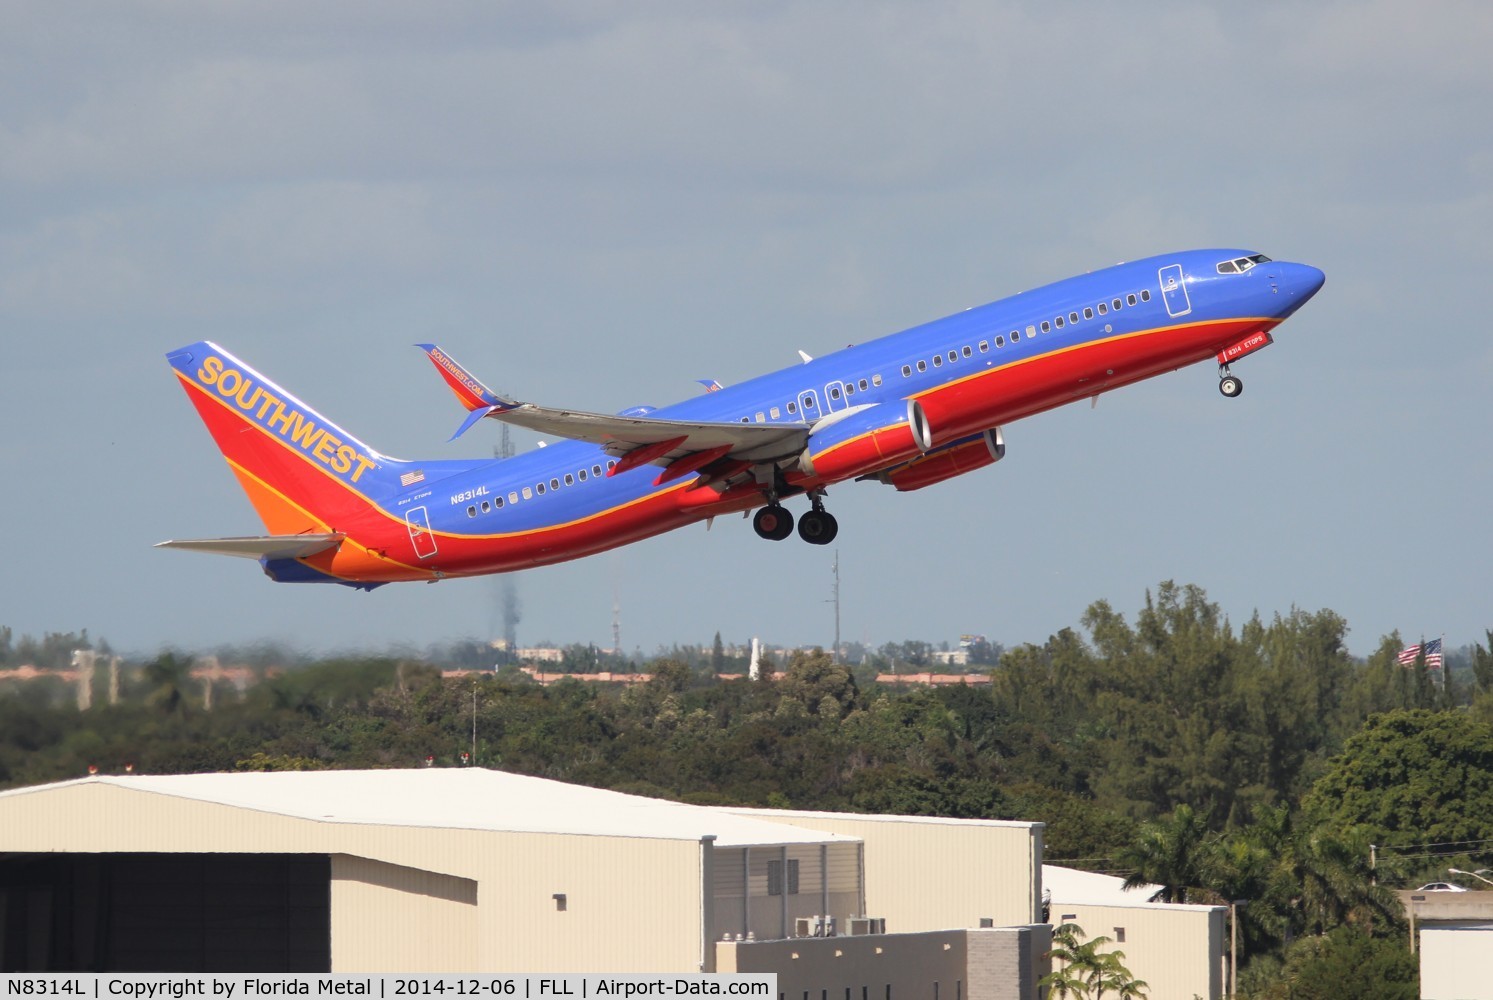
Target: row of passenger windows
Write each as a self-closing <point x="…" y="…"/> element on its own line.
<point x="528" y="493"/>
<point x="834" y="391"/>
<point x="1046" y="326"/>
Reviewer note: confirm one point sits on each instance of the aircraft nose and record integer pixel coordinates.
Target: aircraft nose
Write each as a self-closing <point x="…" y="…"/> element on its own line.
<point x="1298" y="283"/>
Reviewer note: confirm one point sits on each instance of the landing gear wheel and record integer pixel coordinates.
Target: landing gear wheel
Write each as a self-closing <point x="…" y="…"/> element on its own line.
<point x="773" y="522"/>
<point x="1231" y="385"/>
<point x="818" y="527"/>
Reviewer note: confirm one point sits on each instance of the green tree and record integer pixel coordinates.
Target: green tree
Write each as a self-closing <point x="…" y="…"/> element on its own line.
<point x="1347" y="963"/>
<point x="1172" y="854"/>
<point x="1411" y="777"/>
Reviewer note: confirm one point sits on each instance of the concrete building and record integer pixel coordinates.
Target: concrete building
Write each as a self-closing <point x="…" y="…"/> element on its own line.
<point x="474" y="870"/>
<point x="1452" y="933"/>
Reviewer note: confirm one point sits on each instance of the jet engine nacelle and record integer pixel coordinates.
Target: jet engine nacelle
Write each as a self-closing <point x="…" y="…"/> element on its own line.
<point x="861" y="442"/>
<point x="946" y="417"/>
<point x="946" y="462"/>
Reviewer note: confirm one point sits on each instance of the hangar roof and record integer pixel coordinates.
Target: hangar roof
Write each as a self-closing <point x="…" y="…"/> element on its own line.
<point x="469" y="798"/>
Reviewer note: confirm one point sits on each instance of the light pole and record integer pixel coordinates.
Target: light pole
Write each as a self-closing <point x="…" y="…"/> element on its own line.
<point x="1477" y="874"/>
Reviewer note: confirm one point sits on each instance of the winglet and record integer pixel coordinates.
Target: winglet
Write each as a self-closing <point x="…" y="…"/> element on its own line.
<point x="710" y="384"/>
<point x="472" y="393"/>
<point x="475" y="396"/>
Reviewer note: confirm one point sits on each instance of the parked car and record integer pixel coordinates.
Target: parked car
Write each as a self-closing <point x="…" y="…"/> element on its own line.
<point x="1442" y="887"/>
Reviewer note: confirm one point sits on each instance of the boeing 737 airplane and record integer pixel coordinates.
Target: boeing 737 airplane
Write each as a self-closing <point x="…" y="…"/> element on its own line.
<point x="909" y="410"/>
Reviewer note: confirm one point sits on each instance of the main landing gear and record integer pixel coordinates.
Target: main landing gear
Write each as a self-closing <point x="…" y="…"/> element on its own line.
<point x="817" y="527"/>
<point x="1229" y="384"/>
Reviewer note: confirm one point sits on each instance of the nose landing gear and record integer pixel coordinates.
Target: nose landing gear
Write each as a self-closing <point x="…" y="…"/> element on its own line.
<point x="1229" y="384"/>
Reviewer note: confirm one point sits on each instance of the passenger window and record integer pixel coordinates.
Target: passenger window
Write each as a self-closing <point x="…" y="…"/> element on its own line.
<point x="746" y="420"/>
<point x="1116" y="304"/>
<point x="906" y="370"/>
<point x="539" y="488"/>
<point x="966" y="351"/>
<point x="595" y="470"/>
<point x="863" y="385"/>
<point x="1145" y="295"/>
<point x="554" y="484"/>
<point x="582" y="474"/>
<point x="471" y="512"/>
<point x="1000" y="341"/>
<point x="1031" y="331"/>
<point x="1073" y="317"/>
<point x="1103" y="309"/>
<point x="569" y="479"/>
<point x="809" y="403"/>
<point x="761" y="417"/>
<point x="486" y="507"/>
<point x="1046" y="326"/>
<point x="513" y="497"/>
<point x="1088" y="314"/>
<point x="834" y="393"/>
<point x="938" y="361"/>
<point x="875" y="379"/>
<point x="775" y="413"/>
<point x="953" y="356"/>
<point x="1015" y="336"/>
<point x="792" y="407"/>
<point x="1130" y="299"/>
<point x="922" y="366"/>
<point x="497" y="501"/>
<point x="984" y="347"/>
<point x="849" y="388"/>
<point x="528" y="493"/>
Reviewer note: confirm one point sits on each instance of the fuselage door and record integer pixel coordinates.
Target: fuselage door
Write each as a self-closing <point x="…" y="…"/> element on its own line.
<point x="808" y="406"/>
<point x="418" y="522"/>
<point x="834" y="397"/>
<point x="1174" y="291"/>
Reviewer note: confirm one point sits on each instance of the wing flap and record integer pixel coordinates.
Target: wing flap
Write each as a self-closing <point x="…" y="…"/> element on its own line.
<point x="619" y="435"/>
<point x="258" y="546"/>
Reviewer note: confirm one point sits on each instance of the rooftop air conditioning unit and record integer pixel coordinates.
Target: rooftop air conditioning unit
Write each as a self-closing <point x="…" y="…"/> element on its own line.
<point x="867" y="925"/>
<point x="804" y="926"/>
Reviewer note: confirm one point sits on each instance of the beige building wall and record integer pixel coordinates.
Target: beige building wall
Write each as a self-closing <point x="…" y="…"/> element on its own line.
<point x="1180" y="951"/>
<point x="925" y="874"/>
<point x="1454" y="963"/>
<point x="389" y="917"/>
<point x="648" y="919"/>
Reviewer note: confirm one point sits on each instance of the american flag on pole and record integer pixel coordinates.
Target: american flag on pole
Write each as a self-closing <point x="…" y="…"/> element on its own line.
<point x="1432" y="652"/>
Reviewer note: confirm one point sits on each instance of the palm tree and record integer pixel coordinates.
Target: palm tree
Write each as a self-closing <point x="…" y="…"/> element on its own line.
<point x="1170" y="854"/>
<point x="167" y="676"/>
<point x="1086" y="972"/>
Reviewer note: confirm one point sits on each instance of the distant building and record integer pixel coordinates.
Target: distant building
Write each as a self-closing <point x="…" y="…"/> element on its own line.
<point x="466" y="869"/>
<point x="933" y="680"/>
<point x="1452" y="933"/>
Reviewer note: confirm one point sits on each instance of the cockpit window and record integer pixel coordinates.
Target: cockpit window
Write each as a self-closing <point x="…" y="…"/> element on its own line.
<point x="1241" y="264"/>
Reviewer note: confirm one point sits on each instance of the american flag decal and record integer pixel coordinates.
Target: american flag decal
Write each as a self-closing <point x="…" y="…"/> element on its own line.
<point x="411" y="478"/>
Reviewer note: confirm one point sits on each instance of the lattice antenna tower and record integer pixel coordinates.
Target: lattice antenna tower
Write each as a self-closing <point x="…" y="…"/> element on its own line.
<point x="510" y="611"/>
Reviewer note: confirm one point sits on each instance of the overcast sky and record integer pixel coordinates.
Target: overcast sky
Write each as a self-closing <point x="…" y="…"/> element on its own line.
<point x="594" y="204"/>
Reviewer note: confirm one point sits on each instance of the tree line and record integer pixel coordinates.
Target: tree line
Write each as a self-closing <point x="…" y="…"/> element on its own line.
<point x="1253" y="763"/>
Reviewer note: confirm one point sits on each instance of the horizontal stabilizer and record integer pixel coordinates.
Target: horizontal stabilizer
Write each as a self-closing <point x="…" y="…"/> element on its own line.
<point x="259" y="546"/>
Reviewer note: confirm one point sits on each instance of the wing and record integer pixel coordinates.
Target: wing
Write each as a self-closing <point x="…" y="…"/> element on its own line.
<point x="258" y="546"/>
<point x="720" y="450"/>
